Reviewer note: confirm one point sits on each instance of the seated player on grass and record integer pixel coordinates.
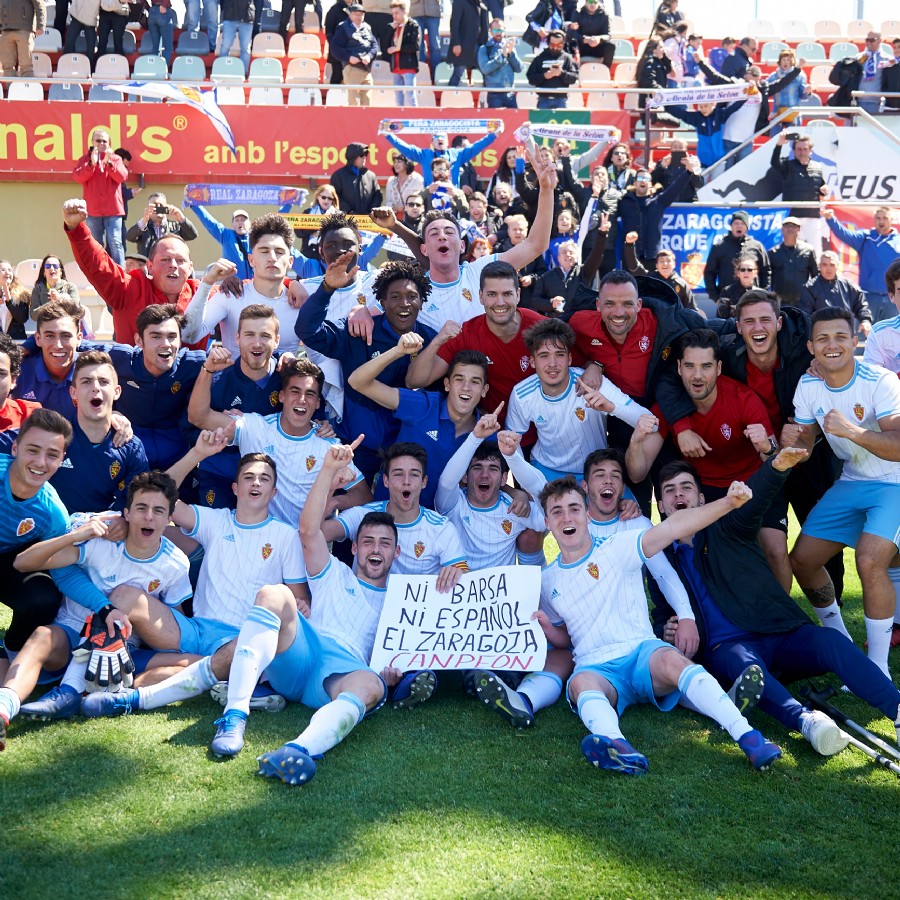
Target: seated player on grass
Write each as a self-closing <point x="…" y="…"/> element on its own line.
<point x="592" y="599"/>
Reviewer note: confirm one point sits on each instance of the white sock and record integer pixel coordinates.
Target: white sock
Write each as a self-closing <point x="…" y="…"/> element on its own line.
<point x="541" y="688"/>
<point x="331" y="724"/>
<point x="708" y="697"/>
<point x="533" y="559"/>
<point x="894" y="575"/>
<point x="597" y="713"/>
<point x="878" y="632"/>
<point x="830" y="617"/>
<point x="9" y="703"/>
<point x="74" y="677"/>
<point x="256" y="647"/>
<point x="190" y="682"/>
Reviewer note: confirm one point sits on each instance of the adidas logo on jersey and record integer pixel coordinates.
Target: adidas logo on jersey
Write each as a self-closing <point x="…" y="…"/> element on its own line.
<point x="554" y="594"/>
<point x="133" y="384"/>
<point x="237" y="401"/>
<point x="351" y="591"/>
<point x="29" y="396"/>
<point x="820" y="411"/>
<point x="66" y="464"/>
<point x="229" y="537"/>
<point x="432" y="434"/>
<point x="269" y="448"/>
<point x="376" y="353"/>
<point x="540" y="421"/>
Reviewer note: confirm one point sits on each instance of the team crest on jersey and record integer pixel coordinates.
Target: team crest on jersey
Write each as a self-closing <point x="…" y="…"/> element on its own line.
<point x="579" y="413"/>
<point x="419" y="549"/>
<point x="506" y="525"/>
<point x="176" y="387"/>
<point x="310" y="462"/>
<point x="361" y="299"/>
<point x="666" y="352"/>
<point x="266" y="551"/>
<point x="153" y="585"/>
<point x="524" y="363"/>
<point x="593" y="571"/>
<point x="121" y="486"/>
<point x="644" y="343"/>
<point x="467" y="294"/>
<point x="726" y="431"/>
<point x="114" y="469"/>
<point x="859" y="411"/>
<point x="596" y="342"/>
<point x="210" y="497"/>
<point x="24" y="527"/>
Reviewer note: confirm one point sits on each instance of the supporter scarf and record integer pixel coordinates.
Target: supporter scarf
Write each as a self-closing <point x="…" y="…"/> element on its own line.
<point x="592" y="133"/>
<point x="313" y="223"/>
<point x="441" y="126"/>
<point x="242" y="194"/>
<point x="718" y="93"/>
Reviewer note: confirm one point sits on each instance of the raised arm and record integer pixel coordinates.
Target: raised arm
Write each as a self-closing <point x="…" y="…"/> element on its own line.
<point x="643" y="448"/>
<point x="58" y="552"/>
<point x="201" y="316"/>
<point x="427" y="366"/>
<point x="200" y="411"/>
<point x="365" y="378"/>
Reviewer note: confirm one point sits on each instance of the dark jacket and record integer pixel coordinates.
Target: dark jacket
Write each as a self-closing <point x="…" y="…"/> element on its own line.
<point x="147" y="238"/>
<point x="541" y="13"/>
<point x="468" y="29"/>
<point x="351" y="41"/>
<point x="890" y="84"/>
<point x="846" y="75"/>
<point x="357" y="189"/>
<point x="719" y="269"/>
<point x="644" y="214"/>
<point x="710" y="129"/>
<point x="653" y="73"/>
<point x="818" y="293"/>
<point x="537" y="69"/>
<point x="408" y="57"/>
<point x="554" y="283"/>
<point x="237" y="10"/>
<point x="596" y="25"/>
<point x="676" y="282"/>
<point x="729" y="297"/>
<point x="791" y="268"/>
<point x="765" y="88"/>
<point x="736" y="65"/>
<point x="333" y="18"/>
<point x="735" y="570"/>
<point x="799" y="182"/>
<point x="665" y="175"/>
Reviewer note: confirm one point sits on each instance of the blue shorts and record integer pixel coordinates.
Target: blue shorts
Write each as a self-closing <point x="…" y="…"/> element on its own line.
<point x="48" y="676"/>
<point x="300" y="672"/>
<point x="849" y="508"/>
<point x="202" y="637"/>
<point x="630" y="676"/>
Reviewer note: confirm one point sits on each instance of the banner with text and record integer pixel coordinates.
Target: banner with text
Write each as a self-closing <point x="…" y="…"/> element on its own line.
<point x="483" y="623"/>
<point x="708" y="93"/>
<point x="174" y="142"/>
<point x="235" y="194"/>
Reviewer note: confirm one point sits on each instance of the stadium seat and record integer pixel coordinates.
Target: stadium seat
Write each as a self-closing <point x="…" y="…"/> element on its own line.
<point x="48" y="42"/>
<point x="304" y="46"/>
<point x="298" y="96"/>
<point x="188" y="68"/>
<point x="524" y="51"/>
<point x="890" y="28"/>
<point x="129" y="44"/>
<point x="335" y="97"/>
<point x="25" y="90"/>
<point x="812" y="100"/>
<point x="642" y="26"/>
<point x="424" y="75"/>
<point x="311" y="23"/>
<point x="575" y="101"/>
<point x="794" y="28"/>
<point x="266" y="45"/>
<point x="266" y="96"/>
<point x="381" y="97"/>
<point x="442" y="73"/>
<point x="624" y="74"/>
<point x="842" y="49"/>
<point x="594" y="74"/>
<point x="603" y="100"/>
<point x="73" y="65"/>
<point x="27" y="272"/>
<point x="526" y="99"/>
<point x="147" y="48"/>
<point x="230" y="94"/>
<point x="770" y="51"/>
<point x="265" y="70"/>
<point x="515" y="23"/>
<point x="826" y="28"/>
<point x="818" y="78"/>
<point x="302" y="71"/>
<point x="112" y="67"/>
<point x="150" y="68"/>
<point x="761" y="28"/>
<point x="381" y="72"/>
<point x="227" y="69"/>
<point x="102" y="94"/>
<point x="617" y="27"/>
<point x="70" y="91"/>
<point x="858" y="29"/>
<point x="624" y="49"/>
<point x="455" y="99"/>
<point x="43" y="65"/>
<point x="191" y="43"/>
<point x="811" y="51"/>
<point x="642" y="45"/>
<point x="269" y="21"/>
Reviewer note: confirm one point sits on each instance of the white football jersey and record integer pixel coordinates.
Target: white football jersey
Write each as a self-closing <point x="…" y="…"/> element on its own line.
<point x="883" y="345"/>
<point x="456" y="301"/>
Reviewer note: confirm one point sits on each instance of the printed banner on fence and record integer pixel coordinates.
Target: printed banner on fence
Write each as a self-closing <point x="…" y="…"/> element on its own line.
<point x="242" y="194"/>
<point x="593" y="133"/>
<point x="714" y="93"/>
<point x="312" y="222"/>
<point x="440" y="126"/>
<point x="483" y="623"/>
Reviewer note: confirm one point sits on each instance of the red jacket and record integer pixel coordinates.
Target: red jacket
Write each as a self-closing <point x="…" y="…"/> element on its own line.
<point x="102" y="186"/>
<point x="125" y="294"/>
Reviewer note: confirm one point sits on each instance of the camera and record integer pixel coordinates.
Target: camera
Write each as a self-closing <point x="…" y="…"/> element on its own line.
<point x="161" y="209"/>
<point x="792" y="136"/>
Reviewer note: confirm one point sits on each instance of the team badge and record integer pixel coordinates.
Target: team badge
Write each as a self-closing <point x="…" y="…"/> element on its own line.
<point x="210" y="497"/>
<point x="593" y="571"/>
<point x="24" y="527"/>
<point x="121" y="486"/>
<point x="726" y="431"/>
<point x="644" y="343"/>
<point x="579" y="413"/>
<point x="273" y="399"/>
<point x="419" y="549"/>
<point x="596" y="342"/>
<point x="114" y="469"/>
<point x="266" y="551"/>
<point x="524" y="363"/>
<point x="506" y="525"/>
<point x="153" y="585"/>
<point x="176" y="387"/>
<point x="666" y="352"/>
<point x="467" y="294"/>
<point x="310" y="462"/>
<point x="859" y="411"/>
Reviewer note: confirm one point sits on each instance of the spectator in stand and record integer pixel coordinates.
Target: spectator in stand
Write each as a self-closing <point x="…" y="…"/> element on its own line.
<point x="664" y="172"/>
<point x="718" y="55"/>
<point x="20" y="22"/>
<point x="159" y="219"/>
<point x="480" y="223"/>
<point x="478" y="248"/>
<point x="51" y="284"/>
<point x="101" y="174"/>
<point x="877" y="248"/>
<point x="802" y="179"/>
<point x="234" y="240"/>
<point x="237" y="19"/>
<point x="691" y="65"/>
<point x="653" y="71"/>
<point x="568" y="167"/>
<point x="709" y="121"/>
<point x="719" y="270"/>
<point x="552" y="290"/>
<point x="406" y="182"/>
<point x="674" y="46"/>
<point x="792" y="93"/>
<point x="792" y="262"/>
<point x="428" y="15"/>
<point x="113" y="21"/>
<point x="565" y="230"/>
<point x="829" y="288"/>
<point x="746" y="272"/>
<point x="128" y="192"/>
<point x="441" y="193"/>
<point x="736" y="64"/>
<point x="468" y="177"/>
<point x="506" y="171"/>
<point x="504" y="205"/>
<point x="457" y="156"/>
<point x="668" y="16"/>
<point x="873" y="62"/>
<point x="499" y="63"/>
<point x="619" y="170"/>
<point x="336" y="15"/>
<point x="563" y="194"/>
<point x="592" y="33"/>
<point x="400" y="40"/>
<point x="468" y="32"/>
<point x="664" y="270"/>
<point x="14" y="300"/>
<point x="356" y="47"/>
<point x="355" y="185"/>
<point x="516" y="232"/>
<point x="601" y="205"/>
<point x="85" y="15"/>
<point x="208" y="16"/>
<point x="890" y="77"/>
<point x="161" y="22"/>
<point x="547" y="16"/>
<point x="298" y="8"/>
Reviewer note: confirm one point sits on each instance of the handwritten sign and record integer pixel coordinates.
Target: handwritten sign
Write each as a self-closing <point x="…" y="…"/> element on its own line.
<point x="484" y="623"/>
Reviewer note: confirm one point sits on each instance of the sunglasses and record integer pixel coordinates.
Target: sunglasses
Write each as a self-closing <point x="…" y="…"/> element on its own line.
<point x="327" y="197"/>
<point x="642" y="180"/>
<point x="416" y="205"/>
<point x="51" y="265"/>
<point x="745" y="269"/>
